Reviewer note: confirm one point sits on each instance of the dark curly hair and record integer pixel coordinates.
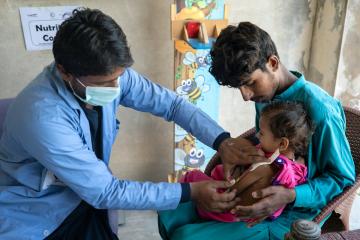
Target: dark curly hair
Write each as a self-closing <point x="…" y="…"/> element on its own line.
<point x="238" y="52"/>
<point x="290" y="120"/>
<point x="91" y="43"/>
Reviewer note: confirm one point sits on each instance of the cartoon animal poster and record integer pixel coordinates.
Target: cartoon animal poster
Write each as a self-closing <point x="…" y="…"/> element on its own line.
<point x="200" y="9"/>
<point x="194" y="83"/>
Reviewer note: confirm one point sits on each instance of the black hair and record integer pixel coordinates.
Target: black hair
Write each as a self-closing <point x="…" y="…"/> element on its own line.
<point x="238" y="52"/>
<point x="91" y="43"/>
<point x="290" y="120"/>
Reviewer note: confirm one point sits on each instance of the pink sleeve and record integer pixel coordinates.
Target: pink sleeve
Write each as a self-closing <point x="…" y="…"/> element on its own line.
<point x="218" y="173"/>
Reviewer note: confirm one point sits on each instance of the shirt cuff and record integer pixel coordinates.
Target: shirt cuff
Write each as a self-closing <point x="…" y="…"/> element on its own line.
<point x="220" y="139"/>
<point x="303" y="196"/>
<point x="185" y="192"/>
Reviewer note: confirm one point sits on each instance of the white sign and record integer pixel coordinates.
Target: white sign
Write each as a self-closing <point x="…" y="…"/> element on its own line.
<point x="40" y="25"/>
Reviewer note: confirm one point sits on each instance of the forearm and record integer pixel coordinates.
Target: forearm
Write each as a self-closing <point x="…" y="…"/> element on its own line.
<point x="141" y="94"/>
<point x="316" y="193"/>
<point x="122" y="194"/>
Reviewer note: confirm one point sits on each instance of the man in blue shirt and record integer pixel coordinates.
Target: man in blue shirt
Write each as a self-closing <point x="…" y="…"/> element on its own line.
<point x="246" y="58"/>
<point x="55" y="148"/>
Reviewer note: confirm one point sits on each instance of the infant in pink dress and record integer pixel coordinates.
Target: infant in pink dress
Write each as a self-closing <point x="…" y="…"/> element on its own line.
<point x="290" y="174"/>
<point x="284" y="132"/>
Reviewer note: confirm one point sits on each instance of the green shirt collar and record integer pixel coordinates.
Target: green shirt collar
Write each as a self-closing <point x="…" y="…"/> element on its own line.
<point x="298" y="84"/>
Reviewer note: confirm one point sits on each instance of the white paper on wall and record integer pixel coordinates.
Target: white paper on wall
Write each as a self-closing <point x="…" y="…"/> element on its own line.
<point x="40" y="25"/>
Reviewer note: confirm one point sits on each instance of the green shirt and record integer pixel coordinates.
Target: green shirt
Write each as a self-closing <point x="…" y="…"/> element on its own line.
<point x="330" y="164"/>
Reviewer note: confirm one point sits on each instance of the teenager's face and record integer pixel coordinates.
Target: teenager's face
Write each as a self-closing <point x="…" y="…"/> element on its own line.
<point x="261" y="85"/>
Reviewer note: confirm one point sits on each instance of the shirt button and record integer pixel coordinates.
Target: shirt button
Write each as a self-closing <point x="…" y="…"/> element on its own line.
<point x="46" y="233"/>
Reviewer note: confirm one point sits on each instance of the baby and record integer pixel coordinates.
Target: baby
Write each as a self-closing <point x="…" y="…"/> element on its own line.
<point x="284" y="132"/>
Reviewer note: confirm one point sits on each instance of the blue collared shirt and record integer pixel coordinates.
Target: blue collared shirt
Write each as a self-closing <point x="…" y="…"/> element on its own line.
<point x="47" y="164"/>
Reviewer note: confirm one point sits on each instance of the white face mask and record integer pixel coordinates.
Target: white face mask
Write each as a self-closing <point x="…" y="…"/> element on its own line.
<point x="98" y="96"/>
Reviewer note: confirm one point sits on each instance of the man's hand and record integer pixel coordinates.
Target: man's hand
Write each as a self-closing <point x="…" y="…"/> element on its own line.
<point x="273" y="198"/>
<point x="238" y="151"/>
<point x="206" y="196"/>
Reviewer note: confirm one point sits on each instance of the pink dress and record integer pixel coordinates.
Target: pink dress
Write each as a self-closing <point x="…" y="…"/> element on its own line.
<point x="290" y="174"/>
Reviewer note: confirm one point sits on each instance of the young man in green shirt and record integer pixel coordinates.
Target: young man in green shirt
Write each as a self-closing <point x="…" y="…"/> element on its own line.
<point x="246" y="58"/>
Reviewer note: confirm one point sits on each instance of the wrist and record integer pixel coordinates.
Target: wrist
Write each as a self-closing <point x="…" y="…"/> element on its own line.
<point x="292" y="195"/>
<point x="220" y="140"/>
<point x="185" y="192"/>
<point x="225" y="143"/>
<point x="193" y="191"/>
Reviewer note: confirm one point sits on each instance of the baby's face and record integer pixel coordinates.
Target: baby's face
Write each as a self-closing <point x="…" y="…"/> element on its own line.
<point x="267" y="140"/>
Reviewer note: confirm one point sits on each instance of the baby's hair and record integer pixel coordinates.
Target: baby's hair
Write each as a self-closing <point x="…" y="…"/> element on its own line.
<point x="290" y="120"/>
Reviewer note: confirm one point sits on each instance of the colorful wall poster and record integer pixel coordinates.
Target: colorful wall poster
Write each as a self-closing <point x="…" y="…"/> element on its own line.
<point x="194" y="83"/>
